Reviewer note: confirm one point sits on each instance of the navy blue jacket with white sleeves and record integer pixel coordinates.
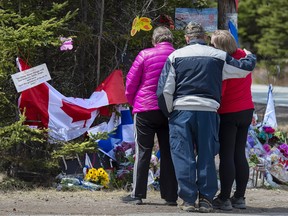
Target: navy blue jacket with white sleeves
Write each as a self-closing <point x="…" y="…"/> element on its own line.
<point x="192" y="76"/>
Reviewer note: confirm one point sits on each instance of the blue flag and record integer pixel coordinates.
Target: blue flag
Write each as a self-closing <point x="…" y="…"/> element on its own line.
<point x="121" y="130"/>
<point x="233" y="31"/>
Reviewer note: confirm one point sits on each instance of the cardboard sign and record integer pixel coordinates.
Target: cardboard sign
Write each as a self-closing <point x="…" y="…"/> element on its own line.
<point x="207" y="17"/>
<point x="32" y="77"/>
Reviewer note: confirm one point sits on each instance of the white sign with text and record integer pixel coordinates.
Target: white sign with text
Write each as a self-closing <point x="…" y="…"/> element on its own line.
<point x="31" y="77"/>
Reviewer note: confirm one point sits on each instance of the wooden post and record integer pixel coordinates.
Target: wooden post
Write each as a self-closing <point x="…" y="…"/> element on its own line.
<point x="225" y="8"/>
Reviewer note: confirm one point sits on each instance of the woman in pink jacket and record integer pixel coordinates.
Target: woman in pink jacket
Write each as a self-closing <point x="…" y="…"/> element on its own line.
<point x="141" y="87"/>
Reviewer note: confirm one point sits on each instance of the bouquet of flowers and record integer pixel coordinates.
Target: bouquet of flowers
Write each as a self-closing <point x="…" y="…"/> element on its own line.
<point x="124" y="155"/>
<point x="98" y="176"/>
<point x="268" y="146"/>
<point x="123" y="175"/>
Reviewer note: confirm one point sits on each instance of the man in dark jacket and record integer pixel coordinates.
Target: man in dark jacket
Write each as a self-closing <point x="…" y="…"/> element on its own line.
<point x="189" y="92"/>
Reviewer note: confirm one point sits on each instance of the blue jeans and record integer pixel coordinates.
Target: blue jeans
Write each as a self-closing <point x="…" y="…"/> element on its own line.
<point x="191" y="132"/>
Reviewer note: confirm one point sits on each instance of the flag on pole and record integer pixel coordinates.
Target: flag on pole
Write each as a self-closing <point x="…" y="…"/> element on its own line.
<point x="88" y="165"/>
<point x="233" y="30"/>
<point x="67" y="117"/>
<point x="270" y="115"/>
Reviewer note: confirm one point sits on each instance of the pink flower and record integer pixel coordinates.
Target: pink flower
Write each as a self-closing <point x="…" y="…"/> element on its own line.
<point x="67" y="44"/>
<point x="267" y="147"/>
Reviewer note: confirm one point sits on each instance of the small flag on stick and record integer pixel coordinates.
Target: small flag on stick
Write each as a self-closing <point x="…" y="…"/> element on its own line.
<point x="270" y="115"/>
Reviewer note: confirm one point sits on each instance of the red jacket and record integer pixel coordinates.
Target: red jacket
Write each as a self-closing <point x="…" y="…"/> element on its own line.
<point x="236" y="93"/>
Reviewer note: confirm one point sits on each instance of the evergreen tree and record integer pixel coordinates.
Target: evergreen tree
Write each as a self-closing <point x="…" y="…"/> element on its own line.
<point x="26" y="36"/>
<point x="263" y="26"/>
<point x="273" y="21"/>
<point x="31" y="30"/>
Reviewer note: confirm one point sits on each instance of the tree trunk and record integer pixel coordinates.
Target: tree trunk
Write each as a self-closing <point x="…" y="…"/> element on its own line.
<point x="99" y="41"/>
<point x="225" y="9"/>
<point x="19" y="7"/>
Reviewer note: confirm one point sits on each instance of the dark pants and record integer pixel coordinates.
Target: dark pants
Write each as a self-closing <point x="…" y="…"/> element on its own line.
<point x="147" y="125"/>
<point x="233" y="163"/>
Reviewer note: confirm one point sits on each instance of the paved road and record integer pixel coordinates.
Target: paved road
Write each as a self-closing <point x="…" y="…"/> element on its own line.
<point x="202" y="214"/>
<point x="280" y="95"/>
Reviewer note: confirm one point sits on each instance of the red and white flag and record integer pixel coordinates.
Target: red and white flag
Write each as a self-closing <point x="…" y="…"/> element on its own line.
<point x="67" y="117"/>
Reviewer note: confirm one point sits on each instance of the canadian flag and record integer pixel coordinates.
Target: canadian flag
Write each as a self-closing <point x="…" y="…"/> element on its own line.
<point x="67" y="117"/>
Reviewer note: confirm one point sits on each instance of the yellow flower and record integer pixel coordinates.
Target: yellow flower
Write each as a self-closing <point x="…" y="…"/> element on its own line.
<point x="103" y="177"/>
<point x="99" y="176"/>
<point x="95" y="178"/>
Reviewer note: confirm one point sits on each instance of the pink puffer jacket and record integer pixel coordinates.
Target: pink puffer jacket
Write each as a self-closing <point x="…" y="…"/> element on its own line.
<point x="142" y="78"/>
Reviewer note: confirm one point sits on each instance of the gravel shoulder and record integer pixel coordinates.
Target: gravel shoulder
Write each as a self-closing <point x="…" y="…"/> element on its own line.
<point x="52" y="202"/>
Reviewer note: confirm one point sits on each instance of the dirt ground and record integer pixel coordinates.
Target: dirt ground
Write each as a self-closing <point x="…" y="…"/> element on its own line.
<point x="52" y="202"/>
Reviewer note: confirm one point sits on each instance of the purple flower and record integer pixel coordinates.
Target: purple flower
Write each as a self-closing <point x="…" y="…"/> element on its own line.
<point x="268" y="129"/>
<point x="119" y="149"/>
<point x="267" y="147"/>
<point x="250" y="140"/>
<point x="130" y="168"/>
<point x="283" y="149"/>
<point x="127" y="146"/>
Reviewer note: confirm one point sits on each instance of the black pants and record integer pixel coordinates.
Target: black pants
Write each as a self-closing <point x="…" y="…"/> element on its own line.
<point x="147" y="125"/>
<point x="233" y="163"/>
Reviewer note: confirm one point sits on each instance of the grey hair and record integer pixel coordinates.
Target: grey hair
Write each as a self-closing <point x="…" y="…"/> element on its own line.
<point x="162" y="34"/>
<point x="194" y="30"/>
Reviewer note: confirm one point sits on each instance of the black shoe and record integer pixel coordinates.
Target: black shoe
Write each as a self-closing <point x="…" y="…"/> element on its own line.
<point x="170" y="203"/>
<point x="132" y="200"/>
<point x="222" y="204"/>
<point x="238" y="203"/>
<point x="205" y="206"/>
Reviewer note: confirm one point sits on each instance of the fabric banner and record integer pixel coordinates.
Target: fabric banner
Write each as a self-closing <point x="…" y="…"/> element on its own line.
<point x="67" y="117"/>
<point x="208" y="17"/>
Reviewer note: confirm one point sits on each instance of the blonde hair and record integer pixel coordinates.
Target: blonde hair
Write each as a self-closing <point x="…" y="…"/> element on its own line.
<point x="162" y="34"/>
<point x="224" y="40"/>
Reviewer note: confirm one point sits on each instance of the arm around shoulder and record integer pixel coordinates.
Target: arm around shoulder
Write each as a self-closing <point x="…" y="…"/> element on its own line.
<point x="234" y="68"/>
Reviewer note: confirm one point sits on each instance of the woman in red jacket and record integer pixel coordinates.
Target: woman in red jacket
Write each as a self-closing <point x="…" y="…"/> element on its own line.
<point x="236" y="111"/>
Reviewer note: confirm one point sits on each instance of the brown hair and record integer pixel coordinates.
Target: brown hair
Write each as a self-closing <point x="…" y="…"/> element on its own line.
<point x="162" y="34"/>
<point x="224" y="40"/>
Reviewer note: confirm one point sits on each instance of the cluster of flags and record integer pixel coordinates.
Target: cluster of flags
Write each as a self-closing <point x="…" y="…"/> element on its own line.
<point x="67" y="117"/>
